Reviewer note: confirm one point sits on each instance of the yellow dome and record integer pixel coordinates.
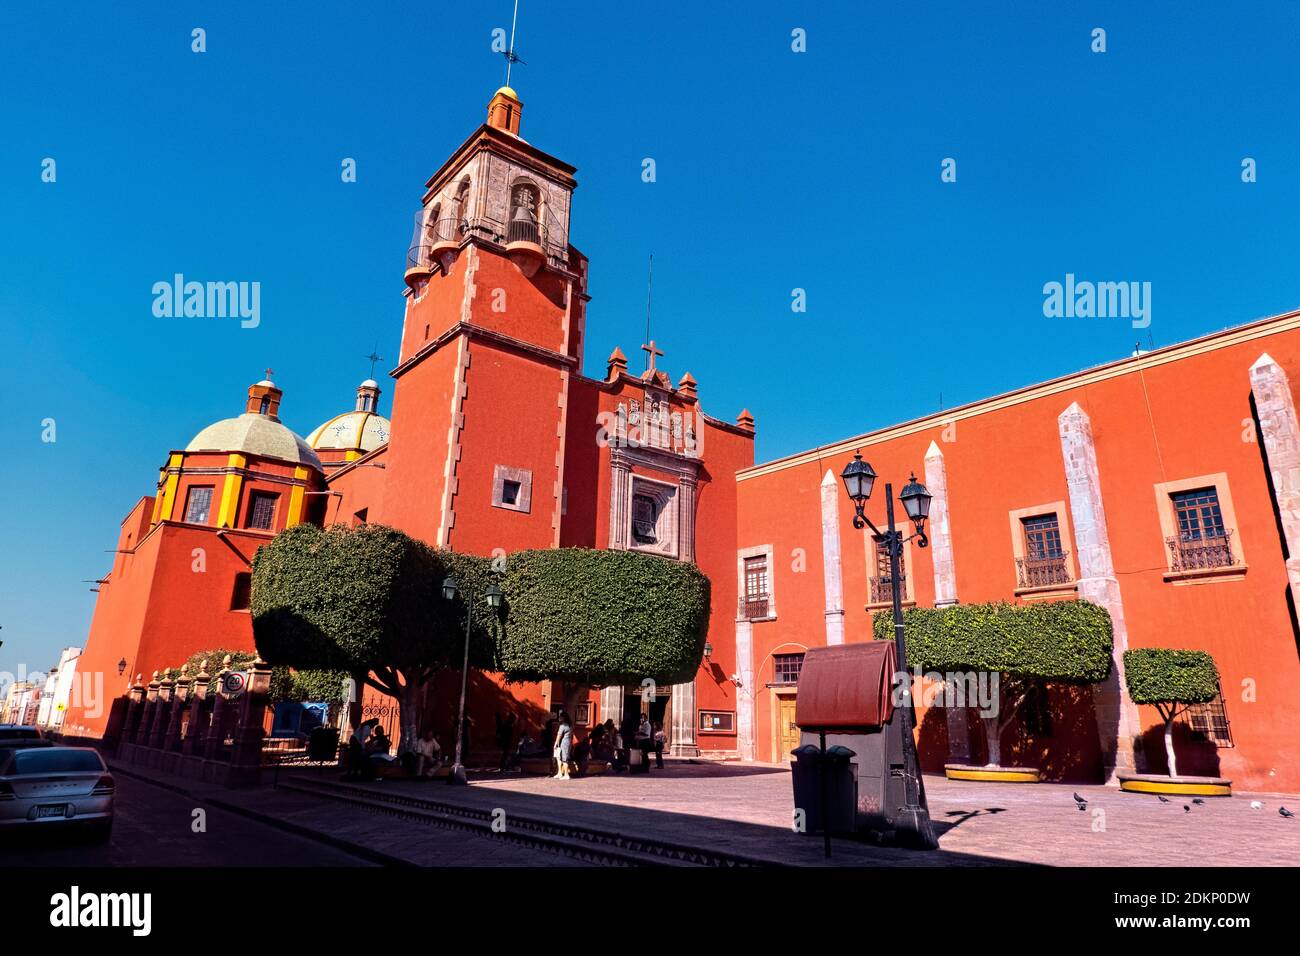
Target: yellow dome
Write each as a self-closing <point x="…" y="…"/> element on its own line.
<point x="351" y="431"/>
<point x="507" y="91"/>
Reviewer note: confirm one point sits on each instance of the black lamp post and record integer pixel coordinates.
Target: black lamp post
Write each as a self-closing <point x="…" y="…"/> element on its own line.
<point x="493" y="597"/>
<point x="859" y="477"/>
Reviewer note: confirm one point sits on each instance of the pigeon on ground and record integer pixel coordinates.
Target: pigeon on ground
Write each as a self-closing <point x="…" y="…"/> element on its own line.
<point x="1198" y="801"/>
<point x="1186" y="808"/>
<point x="1256" y="805"/>
<point x="1283" y="811"/>
<point x="1083" y="806"/>
<point x="1079" y="799"/>
<point x="1162" y="799"/>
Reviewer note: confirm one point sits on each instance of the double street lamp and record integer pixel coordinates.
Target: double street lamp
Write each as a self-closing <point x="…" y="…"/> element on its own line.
<point x="493" y="596"/>
<point x="859" y="479"/>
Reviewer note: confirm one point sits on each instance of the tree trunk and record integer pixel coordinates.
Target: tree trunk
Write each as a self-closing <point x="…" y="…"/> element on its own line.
<point x="993" y="740"/>
<point x="408" y="716"/>
<point x="1169" y="746"/>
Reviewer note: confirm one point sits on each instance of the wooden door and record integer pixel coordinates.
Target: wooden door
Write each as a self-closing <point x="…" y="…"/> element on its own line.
<point x="787" y="731"/>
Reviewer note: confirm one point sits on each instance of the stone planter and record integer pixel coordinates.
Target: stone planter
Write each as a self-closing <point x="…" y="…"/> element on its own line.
<point x="1175" y="786"/>
<point x="959" y="771"/>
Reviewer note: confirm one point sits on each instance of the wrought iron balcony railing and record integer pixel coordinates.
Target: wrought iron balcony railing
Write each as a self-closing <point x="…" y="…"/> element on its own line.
<point x="881" y="589"/>
<point x="1202" y="553"/>
<point x="754" y="607"/>
<point x="1040" y="571"/>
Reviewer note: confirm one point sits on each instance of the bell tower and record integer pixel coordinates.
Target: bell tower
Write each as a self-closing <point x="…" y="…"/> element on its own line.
<point x="495" y="311"/>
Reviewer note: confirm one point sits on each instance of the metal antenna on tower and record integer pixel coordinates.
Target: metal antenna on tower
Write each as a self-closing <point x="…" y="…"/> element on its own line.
<point x="511" y="57"/>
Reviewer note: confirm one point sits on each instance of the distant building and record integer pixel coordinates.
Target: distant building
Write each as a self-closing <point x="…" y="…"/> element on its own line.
<point x="58" y="690"/>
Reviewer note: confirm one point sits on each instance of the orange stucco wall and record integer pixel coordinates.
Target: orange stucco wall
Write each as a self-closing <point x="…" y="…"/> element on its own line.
<point x="1171" y="421"/>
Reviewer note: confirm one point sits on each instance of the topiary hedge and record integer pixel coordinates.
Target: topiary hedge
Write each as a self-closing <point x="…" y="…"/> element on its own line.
<point x="597" y="617"/>
<point x="1058" y="641"/>
<point x="1171" y="681"/>
<point x="368" y="601"/>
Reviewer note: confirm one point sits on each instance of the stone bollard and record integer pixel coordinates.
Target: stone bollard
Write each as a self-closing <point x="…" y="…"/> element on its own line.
<point x="150" y="706"/>
<point x="200" y="712"/>
<point x="180" y="697"/>
<point x="162" y="716"/>
<point x="246" y="761"/>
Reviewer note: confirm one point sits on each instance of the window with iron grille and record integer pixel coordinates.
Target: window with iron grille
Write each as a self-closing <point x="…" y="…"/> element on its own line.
<point x="756" y="592"/>
<point x="645" y="514"/>
<point x="1210" y="720"/>
<point x="1202" y="541"/>
<point x="1198" y="514"/>
<point x="261" y="511"/>
<point x="786" y="668"/>
<point x="198" y="505"/>
<point x="1044" y="561"/>
<point x="882" y="584"/>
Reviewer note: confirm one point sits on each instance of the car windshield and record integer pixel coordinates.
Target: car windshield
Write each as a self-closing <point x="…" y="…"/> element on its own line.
<point x="54" y="761"/>
<point x="19" y="733"/>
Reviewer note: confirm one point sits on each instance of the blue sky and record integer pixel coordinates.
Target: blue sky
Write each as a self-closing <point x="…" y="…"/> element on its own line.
<point x="775" y="171"/>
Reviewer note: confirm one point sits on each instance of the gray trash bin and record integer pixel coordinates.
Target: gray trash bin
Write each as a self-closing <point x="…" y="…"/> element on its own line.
<point x="835" y="779"/>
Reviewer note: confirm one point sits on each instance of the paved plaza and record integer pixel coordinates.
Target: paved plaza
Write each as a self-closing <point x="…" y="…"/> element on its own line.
<point x="746" y="809"/>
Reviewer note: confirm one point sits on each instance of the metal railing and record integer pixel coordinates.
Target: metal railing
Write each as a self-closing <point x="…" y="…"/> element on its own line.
<point x="881" y="589"/>
<point x="1042" y="571"/>
<point x="755" y="607"/>
<point x="1200" y="553"/>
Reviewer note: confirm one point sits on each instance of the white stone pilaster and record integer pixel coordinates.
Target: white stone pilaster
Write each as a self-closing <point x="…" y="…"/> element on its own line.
<point x="1118" y="726"/>
<point x="611" y="704"/>
<point x="832" y="572"/>
<point x="1280" y="432"/>
<point x="682" y="734"/>
<point x="945" y="586"/>
<point x="745" y="741"/>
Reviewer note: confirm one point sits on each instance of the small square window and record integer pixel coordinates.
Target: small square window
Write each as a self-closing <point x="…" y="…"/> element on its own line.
<point x="512" y="488"/>
<point x="786" y="668"/>
<point x="509" y="492"/>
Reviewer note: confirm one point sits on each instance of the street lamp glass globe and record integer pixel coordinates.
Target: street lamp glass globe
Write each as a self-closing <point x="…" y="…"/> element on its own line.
<point x="916" y="500"/>
<point x="449" y="589"/>
<point x="493" y="596"/>
<point x="858" y="477"/>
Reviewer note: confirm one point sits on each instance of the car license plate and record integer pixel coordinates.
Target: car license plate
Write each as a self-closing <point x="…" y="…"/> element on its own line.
<point x="59" y="810"/>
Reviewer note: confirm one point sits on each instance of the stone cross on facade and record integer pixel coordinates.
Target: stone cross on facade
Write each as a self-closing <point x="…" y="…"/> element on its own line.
<point x="651" y="352"/>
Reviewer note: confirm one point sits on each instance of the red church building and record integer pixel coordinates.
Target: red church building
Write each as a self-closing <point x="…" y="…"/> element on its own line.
<point x="1164" y="487"/>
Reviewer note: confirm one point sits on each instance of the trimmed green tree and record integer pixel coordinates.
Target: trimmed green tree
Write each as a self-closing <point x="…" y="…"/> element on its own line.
<point x="324" y="686"/>
<point x="368" y="601"/>
<point x="1171" y="681"/>
<point x="1056" y="641"/>
<point x="594" y="618"/>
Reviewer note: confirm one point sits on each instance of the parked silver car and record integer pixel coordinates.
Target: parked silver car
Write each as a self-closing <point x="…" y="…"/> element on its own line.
<point x="55" y="786"/>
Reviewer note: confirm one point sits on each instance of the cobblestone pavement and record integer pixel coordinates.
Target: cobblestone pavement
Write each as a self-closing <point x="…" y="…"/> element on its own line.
<point x="746" y="808"/>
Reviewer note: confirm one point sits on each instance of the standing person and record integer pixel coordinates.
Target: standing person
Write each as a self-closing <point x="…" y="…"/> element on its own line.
<point x="645" y="741"/>
<point x="505" y="737"/>
<point x="660" y="738"/>
<point x="563" y="746"/>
